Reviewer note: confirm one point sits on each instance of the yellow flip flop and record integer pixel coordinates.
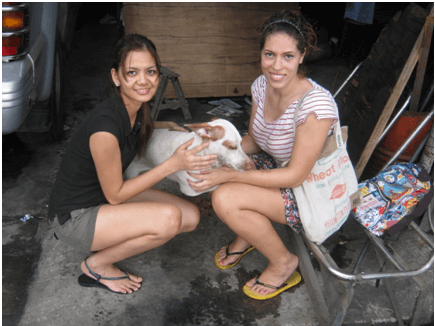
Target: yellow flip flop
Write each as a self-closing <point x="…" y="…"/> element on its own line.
<point x="216" y="261"/>
<point x="294" y="279"/>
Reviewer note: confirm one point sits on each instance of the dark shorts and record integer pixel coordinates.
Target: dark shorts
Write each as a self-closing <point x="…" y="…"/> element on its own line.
<point x="78" y="231"/>
<point x="264" y="161"/>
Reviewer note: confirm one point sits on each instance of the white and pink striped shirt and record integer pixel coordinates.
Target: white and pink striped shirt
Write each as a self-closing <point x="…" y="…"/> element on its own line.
<point x="276" y="138"/>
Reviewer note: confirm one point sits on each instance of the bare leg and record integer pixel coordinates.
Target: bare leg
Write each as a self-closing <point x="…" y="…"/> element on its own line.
<point x="190" y="214"/>
<point x="128" y="229"/>
<point x="248" y="211"/>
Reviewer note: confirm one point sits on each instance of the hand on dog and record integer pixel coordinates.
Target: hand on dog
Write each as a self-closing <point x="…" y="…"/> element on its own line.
<point x="186" y="159"/>
<point x="170" y="125"/>
<point x="210" y="178"/>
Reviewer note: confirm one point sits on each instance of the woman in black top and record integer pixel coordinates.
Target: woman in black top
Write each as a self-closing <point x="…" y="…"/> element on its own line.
<point x="91" y="206"/>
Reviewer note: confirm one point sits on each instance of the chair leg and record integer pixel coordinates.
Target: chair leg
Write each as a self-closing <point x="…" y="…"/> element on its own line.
<point x="419" y="308"/>
<point x="308" y="274"/>
<point x="340" y="293"/>
<point x="159" y="98"/>
<point x="390" y="291"/>
<point x="180" y="96"/>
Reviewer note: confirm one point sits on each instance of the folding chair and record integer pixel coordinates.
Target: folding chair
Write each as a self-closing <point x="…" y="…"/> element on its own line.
<point x="333" y="294"/>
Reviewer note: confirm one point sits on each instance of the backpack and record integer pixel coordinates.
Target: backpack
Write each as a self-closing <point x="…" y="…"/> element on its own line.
<point x="389" y="200"/>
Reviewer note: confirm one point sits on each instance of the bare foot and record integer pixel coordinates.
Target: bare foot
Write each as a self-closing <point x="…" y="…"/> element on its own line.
<point x="237" y="245"/>
<point x="274" y="275"/>
<point x="126" y="285"/>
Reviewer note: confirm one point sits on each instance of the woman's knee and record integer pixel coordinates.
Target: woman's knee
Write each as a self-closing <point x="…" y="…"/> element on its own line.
<point x="170" y="218"/>
<point x="191" y="217"/>
<point x="224" y="200"/>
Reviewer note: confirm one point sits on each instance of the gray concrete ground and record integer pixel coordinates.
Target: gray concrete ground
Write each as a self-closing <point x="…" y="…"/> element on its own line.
<point x="181" y="284"/>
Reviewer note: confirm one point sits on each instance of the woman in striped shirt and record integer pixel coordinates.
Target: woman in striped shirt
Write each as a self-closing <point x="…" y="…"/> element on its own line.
<point x="249" y="201"/>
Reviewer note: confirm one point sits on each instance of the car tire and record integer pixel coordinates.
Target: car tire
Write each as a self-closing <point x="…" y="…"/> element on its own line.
<point x="56" y="103"/>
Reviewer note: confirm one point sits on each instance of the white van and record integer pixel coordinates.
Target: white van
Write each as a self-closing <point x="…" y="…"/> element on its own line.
<point x="35" y="36"/>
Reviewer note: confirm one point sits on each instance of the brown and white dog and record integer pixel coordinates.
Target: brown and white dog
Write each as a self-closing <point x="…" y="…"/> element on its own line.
<point x="225" y="141"/>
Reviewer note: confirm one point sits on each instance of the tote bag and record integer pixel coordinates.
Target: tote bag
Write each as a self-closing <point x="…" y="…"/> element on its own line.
<point x="327" y="196"/>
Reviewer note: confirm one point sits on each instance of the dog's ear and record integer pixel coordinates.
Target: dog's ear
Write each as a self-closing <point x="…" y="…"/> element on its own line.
<point x="207" y="132"/>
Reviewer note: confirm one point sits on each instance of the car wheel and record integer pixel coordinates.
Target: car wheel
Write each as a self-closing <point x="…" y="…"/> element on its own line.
<point x="58" y="95"/>
<point x="35" y="139"/>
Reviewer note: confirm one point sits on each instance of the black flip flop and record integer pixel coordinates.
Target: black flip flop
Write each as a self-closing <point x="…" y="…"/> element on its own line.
<point x="85" y="280"/>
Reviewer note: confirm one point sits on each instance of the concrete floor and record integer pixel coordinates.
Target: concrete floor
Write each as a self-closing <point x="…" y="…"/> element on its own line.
<point x="181" y="284"/>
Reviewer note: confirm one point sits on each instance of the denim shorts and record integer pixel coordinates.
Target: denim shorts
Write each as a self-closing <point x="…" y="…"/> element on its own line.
<point x="264" y="161"/>
<point x="78" y="231"/>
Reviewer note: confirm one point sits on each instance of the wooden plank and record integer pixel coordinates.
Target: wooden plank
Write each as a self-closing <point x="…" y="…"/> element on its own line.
<point x="392" y="101"/>
<point x="421" y="69"/>
<point x="214" y="47"/>
<point x="362" y="100"/>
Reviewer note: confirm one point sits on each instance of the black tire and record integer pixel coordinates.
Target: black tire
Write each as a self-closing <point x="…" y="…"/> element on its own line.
<point x="35" y="139"/>
<point x="58" y="95"/>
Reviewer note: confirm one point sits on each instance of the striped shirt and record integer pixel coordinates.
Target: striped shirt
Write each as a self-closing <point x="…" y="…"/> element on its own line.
<point x="276" y="138"/>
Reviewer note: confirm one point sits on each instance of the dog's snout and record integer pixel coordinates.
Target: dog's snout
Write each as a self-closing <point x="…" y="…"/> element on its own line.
<point x="248" y="166"/>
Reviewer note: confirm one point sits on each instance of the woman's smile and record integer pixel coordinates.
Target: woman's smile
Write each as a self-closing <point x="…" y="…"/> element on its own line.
<point x="143" y="91"/>
<point x="276" y="77"/>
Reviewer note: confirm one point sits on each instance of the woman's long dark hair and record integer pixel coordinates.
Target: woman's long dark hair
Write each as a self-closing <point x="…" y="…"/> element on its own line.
<point x="136" y="42"/>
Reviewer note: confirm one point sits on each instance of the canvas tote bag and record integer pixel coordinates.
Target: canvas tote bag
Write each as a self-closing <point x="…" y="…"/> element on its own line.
<point x="327" y="196"/>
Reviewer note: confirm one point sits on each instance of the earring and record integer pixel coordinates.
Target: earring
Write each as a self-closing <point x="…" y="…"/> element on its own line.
<point x="116" y="84"/>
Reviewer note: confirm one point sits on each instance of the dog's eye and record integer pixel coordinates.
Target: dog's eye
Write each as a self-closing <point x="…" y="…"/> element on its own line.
<point x="230" y="145"/>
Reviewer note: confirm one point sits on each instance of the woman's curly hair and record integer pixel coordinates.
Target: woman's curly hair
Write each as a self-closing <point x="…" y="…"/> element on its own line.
<point x="294" y="25"/>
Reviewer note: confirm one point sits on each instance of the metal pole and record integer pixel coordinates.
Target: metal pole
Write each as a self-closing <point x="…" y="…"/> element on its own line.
<point x="421" y="234"/>
<point x="348" y="78"/>
<point x="419" y="149"/>
<point x="405" y="105"/>
<point x="361" y="257"/>
<point x="409" y="140"/>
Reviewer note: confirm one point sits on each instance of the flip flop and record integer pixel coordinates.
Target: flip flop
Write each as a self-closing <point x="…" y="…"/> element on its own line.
<point x="216" y="261"/>
<point x="85" y="280"/>
<point x="294" y="279"/>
